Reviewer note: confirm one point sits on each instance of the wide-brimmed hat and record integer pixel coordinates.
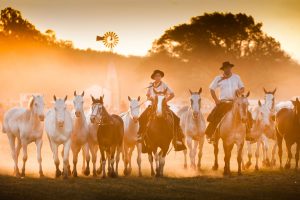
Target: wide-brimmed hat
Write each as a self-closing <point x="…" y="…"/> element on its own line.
<point x="226" y="64"/>
<point x="157" y="72"/>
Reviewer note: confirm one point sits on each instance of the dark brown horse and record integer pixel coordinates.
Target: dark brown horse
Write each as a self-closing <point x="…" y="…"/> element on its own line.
<point x="159" y="133"/>
<point x="110" y="136"/>
<point x="288" y="127"/>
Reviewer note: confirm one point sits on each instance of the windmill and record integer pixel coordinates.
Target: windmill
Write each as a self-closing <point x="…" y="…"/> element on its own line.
<point x="110" y="40"/>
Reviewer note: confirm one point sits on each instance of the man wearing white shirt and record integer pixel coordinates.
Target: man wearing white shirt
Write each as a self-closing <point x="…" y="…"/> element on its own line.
<point x="228" y="83"/>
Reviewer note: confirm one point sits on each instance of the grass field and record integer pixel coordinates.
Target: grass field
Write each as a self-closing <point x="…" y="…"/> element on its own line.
<point x="178" y="183"/>
<point x="252" y="185"/>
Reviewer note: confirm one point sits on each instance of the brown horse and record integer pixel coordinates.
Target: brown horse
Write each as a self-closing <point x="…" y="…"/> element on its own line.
<point x="110" y="136"/>
<point x="159" y="133"/>
<point x="288" y="127"/>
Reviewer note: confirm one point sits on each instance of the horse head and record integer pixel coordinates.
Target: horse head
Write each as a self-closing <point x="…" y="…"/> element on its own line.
<point x="159" y="103"/>
<point x="241" y="105"/>
<point x="270" y="97"/>
<point x="134" y="108"/>
<point x="36" y="104"/>
<point x="98" y="110"/>
<point x="296" y="104"/>
<point x="195" y="102"/>
<point x="264" y="116"/>
<point x="60" y="110"/>
<point x="78" y="104"/>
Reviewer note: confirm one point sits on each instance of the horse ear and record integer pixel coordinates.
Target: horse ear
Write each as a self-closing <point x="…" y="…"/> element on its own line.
<point x="82" y="94"/>
<point x="274" y="91"/>
<point x="259" y="103"/>
<point x="102" y="96"/>
<point x="139" y="98"/>
<point x="265" y="90"/>
<point x="54" y="97"/>
<point x="129" y="98"/>
<point x="190" y="91"/>
<point x="200" y="90"/>
<point x="293" y="102"/>
<point x="93" y="99"/>
<point x="66" y="97"/>
<point x="247" y="95"/>
<point x="31" y="101"/>
<point x="297" y="100"/>
<point x="75" y="93"/>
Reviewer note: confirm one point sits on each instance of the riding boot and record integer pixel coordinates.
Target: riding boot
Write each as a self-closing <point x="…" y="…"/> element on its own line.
<point x="178" y="140"/>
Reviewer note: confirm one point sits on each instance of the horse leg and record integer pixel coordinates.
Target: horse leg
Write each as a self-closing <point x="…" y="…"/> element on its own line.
<point x="297" y="155"/>
<point x="185" y="158"/>
<point x="273" y="162"/>
<point x="118" y="153"/>
<point x="25" y="156"/>
<point x="56" y="160"/>
<point x="66" y="166"/>
<point x="86" y="158"/>
<point x="130" y="156"/>
<point x="75" y="150"/>
<point x="201" y="142"/>
<point x="14" y="155"/>
<point x="195" y="148"/>
<point x="239" y="158"/>
<point x="139" y="157"/>
<point x="161" y="164"/>
<point x="103" y="162"/>
<point x="257" y="154"/>
<point x="18" y="147"/>
<point x="279" y="142"/>
<point x="150" y="157"/>
<point x="39" y="144"/>
<point x="216" y="152"/>
<point x="125" y="158"/>
<point x="94" y="158"/>
<point x="190" y="146"/>
<point x="156" y="157"/>
<point x="266" y="150"/>
<point x="249" y="151"/>
<point x="289" y="151"/>
<point x="226" y="171"/>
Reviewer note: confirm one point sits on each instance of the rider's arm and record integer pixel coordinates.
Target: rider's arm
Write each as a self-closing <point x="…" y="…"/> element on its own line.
<point x="214" y="96"/>
<point x="170" y="97"/>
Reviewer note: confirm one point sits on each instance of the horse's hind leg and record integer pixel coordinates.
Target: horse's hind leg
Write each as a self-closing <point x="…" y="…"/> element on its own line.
<point x="139" y="157"/>
<point x="25" y="156"/>
<point x="39" y="144"/>
<point x="216" y="151"/>
<point x="273" y="161"/>
<point x="201" y="142"/>
<point x="14" y="155"/>
<point x="103" y="162"/>
<point x="119" y="149"/>
<point x="279" y="142"/>
<point x="185" y="158"/>
<point x="239" y="158"/>
<point x="297" y="155"/>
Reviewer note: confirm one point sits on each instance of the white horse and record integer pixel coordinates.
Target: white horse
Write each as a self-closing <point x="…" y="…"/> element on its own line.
<point x="232" y="130"/>
<point x="80" y="136"/>
<point x="193" y="126"/>
<point x="59" y="127"/>
<point x="131" y="127"/>
<point x="262" y="124"/>
<point x="25" y="125"/>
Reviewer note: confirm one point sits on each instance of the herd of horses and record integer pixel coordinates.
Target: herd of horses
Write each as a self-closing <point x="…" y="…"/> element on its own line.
<point x="116" y="135"/>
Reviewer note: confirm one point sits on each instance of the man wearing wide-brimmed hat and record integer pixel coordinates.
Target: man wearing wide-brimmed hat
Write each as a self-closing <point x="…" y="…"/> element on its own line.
<point x="161" y="86"/>
<point x="228" y="83"/>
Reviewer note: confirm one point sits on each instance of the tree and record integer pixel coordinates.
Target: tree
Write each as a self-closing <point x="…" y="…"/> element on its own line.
<point x="218" y="35"/>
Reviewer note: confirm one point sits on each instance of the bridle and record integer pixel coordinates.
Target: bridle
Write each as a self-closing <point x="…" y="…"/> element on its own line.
<point x="98" y="112"/>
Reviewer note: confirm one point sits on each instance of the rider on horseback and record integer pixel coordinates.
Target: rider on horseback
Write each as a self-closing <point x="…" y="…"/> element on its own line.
<point x="228" y="83"/>
<point x="159" y="86"/>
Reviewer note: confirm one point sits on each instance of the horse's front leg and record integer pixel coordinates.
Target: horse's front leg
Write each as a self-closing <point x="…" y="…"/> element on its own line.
<point x="56" y="159"/>
<point x="75" y="149"/>
<point x="273" y="161"/>
<point x="279" y="143"/>
<point x="25" y="156"/>
<point x="297" y="155"/>
<point x="257" y="154"/>
<point x="216" y="152"/>
<point x="156" y="157"/>
<point x="266" y="159"/>
<point x="66" y="166"/>
<point x="201" y="142"/>
<point x="249" y="152"/>
<point x="150" y="157"/>
<point x="139" y="157"/>
<point x="103" y="162"/>
<point x="239" y="158"/>
<point x="14" y="155"/>
<point x="130" y="157"/>
<point x="125" y="158"/>
<point x="86" y="158"/>
<point x="289" y="152"/>
<point x="118" y="153"/>
<point x="191" y="151"/>
<point x="39" y="144"/>
<point x="162" y="157"/>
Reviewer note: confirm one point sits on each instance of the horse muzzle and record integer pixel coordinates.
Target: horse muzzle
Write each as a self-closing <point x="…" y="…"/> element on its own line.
<point x="135" y="119"/>
<point x="77" y="114"/>
<point x="195" y="115"/>
<point x="60" y="124"/>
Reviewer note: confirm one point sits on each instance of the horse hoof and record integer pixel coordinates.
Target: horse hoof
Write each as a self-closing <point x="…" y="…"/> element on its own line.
<point x="87" y="172"/>
<point x="42" y="175"/>
<point x="104" y="176"/>
<point x="152" y="173"/>
<point x="98" y="171"/>
<point x="65" y="176"/>
<point x="94" y="173"/>
<point x="248" y="164"/>
<point x="226" y="173"/>
<point x="215" y="167"/>
<point x="125" y="172"/>
<point x="23" y="174"/>
<point x="74" y="174"/>
<point x="140" y="174"/>
<point x="58" y="173"/>
<point x="239" y="173"/>
<point x="256" y="168"/>
<point x="185" y="166"/>
<point x="157" y="175"/>
<point x="273" y="162"/>
<point x="287" y="166"/>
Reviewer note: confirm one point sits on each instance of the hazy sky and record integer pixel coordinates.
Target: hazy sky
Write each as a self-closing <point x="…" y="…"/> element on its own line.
<point x="139" y="22"/>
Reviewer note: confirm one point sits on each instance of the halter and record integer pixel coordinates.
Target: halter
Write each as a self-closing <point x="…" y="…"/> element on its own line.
<point x="101" y="122"/>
